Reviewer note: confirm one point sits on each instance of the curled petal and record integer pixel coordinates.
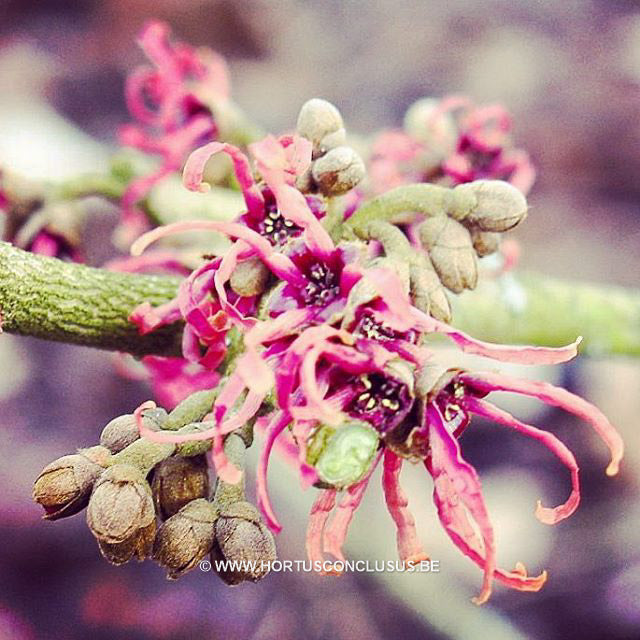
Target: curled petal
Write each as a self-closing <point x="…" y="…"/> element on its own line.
<point x="317" y="521"/>
<point x="146" y="432"/>
<point x="222" y="276"/>
<point x="166" y="261"/>
<point x="134" y="91"/>
<point x="544" y="514"/>
<point x="409" y="548"/>
<point x="194" y="169"/>
<point x="557" y="397"/>
<point x="229" y="395"/>
<point x="505" y="353"/>
<point x="336" y="533"/>
<point x="280" y="264"/>
<point x="321" y="409"/>
<point x="275" y="427"/>
<point x="458" y="496"/>
<point x="288" y="371"/>
<point x="253" y="369"/>
<point x="249" y="408"/>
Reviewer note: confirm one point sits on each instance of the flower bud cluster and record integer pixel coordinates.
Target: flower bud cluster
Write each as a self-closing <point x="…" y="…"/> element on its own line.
<point x="145" y="497"/>
<point x="336" y="167"/>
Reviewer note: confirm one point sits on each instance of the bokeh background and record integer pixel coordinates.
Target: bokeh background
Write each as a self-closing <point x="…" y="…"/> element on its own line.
<point x="569" y="71"/>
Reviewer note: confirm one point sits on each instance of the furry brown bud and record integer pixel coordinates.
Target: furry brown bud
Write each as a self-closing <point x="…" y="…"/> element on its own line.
<point x="485" y="242"/>
<point x="120" y="433"/>
<point x="139" y="545"/>
<point x="123" y="430"/>
<point x="64" y="486"/>
<point x="242" y="537"/>
<point x="338" y="171"/>
<point x="120" y="505"/>
<point x="185" y="538"/>
<point x="497" y="205"/>
<point x="451" y="252"/>
<point x="177" y="481"/>
<point x="250" y="277"/>
<point x="320" y="122"/>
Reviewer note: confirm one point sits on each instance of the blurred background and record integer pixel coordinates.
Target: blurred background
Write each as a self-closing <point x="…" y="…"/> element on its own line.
<point x="569" y="71"/>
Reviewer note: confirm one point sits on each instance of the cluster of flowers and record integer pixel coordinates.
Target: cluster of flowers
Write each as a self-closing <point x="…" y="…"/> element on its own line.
<point x="177" y="104"/>
<point x="334" y="345"/>
<point x="319" y="316"/>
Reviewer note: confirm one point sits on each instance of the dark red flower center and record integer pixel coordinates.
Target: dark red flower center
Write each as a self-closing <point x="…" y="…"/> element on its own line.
<point x="371" y="329"/>
<point x="323" y="286"/>
<point x="380" y="400"/>
<point x="275" y="228"/>
<point x="449" y="403"/>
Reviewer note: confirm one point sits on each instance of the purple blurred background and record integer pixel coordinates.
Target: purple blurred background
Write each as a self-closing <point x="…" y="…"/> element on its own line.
<point x="569" y="71"/>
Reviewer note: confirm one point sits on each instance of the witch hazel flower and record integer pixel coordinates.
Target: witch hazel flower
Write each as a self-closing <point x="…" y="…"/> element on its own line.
<point x="31" y="221"/>
<point x="313" y="271"/>
<point x="450" y="141"/>
<point x="443" y="414"/>
<point x="448" y="406"/>
<point x="348" y="409"/>
<point x="336" y="346"/>
<point x="175" y="104"/>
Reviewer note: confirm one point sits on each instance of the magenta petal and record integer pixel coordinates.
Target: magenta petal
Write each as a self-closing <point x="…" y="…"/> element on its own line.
<point x="557" y="397"/>
<point x="279" y="168"/>
<point x="194" y="169"/>
<point x="336" y="533"/>
<point x="399" y="313"/>
<point x="226" y="470"/>
<point x="222" y="276"/>
<point x="293" y="206"/>
<point x="148" y="318"/>
<point x="505" y="353"/>
<point x="230" y="393"/>
<point x="280" y="264"/>
<point x="255" y="372"/>
<point x="249" y="408"/>
<point x="458" y="496"/>
<point x="409" y="548"/>
<point x="544" y="514"/>
<point x="289" y="370"/>
<point x="276" y="426"/>
<point x="315" y="530"/>
<point x="134" y="89"/>
<point x="323" y="411"/>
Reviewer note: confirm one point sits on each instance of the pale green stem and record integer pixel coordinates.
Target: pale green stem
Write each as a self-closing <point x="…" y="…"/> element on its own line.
<point x="406" y="203"/>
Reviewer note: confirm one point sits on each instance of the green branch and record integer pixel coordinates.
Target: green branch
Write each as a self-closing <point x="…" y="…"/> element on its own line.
<point x="67" y="302"/>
